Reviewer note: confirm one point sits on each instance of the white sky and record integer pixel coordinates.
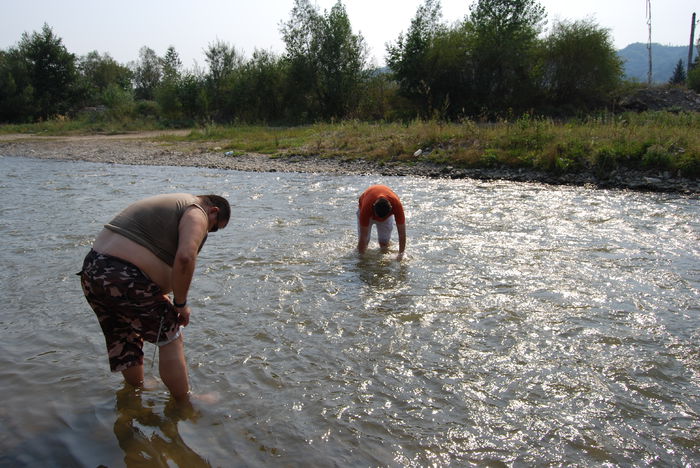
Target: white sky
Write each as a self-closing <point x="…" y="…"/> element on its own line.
<point x="121" y="28"/>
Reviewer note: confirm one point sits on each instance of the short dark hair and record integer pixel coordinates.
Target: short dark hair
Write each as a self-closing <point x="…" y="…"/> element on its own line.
<point x="382" y="207"/>
<point x="222" y="204"/>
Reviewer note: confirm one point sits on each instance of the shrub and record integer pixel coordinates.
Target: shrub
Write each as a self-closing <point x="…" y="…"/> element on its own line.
<point x="694" y="79"/>
<point x="689" y="164"/>
<point x="657" y="157"/>
<point x="119" y="102"/>
<point x="147" y="109"/>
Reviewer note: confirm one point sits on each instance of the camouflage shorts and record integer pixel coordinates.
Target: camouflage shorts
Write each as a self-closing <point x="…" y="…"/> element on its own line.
<point x="129" y="307"/>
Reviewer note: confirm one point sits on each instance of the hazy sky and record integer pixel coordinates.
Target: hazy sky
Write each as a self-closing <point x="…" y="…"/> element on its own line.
<point x="121" y="28"/>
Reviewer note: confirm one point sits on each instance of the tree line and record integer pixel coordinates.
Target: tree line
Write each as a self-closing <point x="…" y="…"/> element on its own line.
<point x="496" y="62"/>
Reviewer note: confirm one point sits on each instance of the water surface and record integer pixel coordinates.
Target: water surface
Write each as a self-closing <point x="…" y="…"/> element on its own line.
<point x="529" y="325"/>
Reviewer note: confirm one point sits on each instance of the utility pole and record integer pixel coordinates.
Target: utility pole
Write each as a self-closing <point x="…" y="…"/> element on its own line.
<point x="649" y="76"/>
<point x="692" y="40"/>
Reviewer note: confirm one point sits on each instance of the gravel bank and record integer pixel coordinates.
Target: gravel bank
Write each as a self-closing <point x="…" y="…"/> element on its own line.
<point x="139" y="149"/>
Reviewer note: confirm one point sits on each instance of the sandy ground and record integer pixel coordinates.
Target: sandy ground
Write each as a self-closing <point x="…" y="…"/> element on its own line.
<point x="141" y="149"/>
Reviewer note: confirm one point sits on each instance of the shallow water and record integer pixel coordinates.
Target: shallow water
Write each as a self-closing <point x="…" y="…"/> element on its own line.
<point x="529" y="325"/>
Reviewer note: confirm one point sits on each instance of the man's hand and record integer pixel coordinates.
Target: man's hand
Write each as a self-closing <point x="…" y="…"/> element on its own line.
<point x="183" y="315"/>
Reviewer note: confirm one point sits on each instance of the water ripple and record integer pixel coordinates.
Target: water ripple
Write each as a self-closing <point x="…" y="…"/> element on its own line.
<point x="528" y="325"/>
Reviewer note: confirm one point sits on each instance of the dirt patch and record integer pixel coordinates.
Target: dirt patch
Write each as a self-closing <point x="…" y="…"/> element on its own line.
<point x="94" y="137"/>
<point x="669" y="98"/>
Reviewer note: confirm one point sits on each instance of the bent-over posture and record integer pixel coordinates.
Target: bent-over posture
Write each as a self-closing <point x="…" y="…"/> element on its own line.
<point x="146" y="252"/>
<point x="377" y="206"/>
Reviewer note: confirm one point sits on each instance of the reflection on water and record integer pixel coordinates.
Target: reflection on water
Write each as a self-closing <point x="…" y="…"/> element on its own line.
<point x="528" y="325"/>
<point x="149" y="439"/>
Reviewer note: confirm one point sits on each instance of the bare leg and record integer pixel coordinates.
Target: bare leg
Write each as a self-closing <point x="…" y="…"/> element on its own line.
<point x="173" y="368"/>
<point x="134" y="375"/>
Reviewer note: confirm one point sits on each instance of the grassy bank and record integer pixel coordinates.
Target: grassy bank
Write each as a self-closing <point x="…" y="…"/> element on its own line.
<point x="655" y="141"/>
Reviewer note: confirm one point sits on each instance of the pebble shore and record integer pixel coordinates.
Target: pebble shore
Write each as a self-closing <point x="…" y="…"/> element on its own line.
<point x="140" y="150"/>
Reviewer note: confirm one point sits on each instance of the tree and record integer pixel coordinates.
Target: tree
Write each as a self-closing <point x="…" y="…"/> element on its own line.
<point x="408" y="57"/>
<point x="342" y="58"/>
<point x="171" y="64"/>
<point x="99" y="72"/>
<point x="503" y="46"/>
<point x="581" y="67"/>
<point x="258" y="89"/>
<point x="299" y="34"/>
<point x="50" y="73"/>
<point x="679" y="75"/>
<point x="148" y="72"/>
<point x="326" y="61"/>
<point x="223" y="61"/>
<point x="450" y="71"/>
<point x="16" y="92"/>
<point x="167" y="94"/>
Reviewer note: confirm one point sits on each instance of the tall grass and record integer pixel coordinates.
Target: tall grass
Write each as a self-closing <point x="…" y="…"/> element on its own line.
<point x="658" y="141"/>
<point x="655" y="141"/>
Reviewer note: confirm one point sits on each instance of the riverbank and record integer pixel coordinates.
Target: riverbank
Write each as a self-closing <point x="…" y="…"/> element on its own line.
<point x="149" y="148"/>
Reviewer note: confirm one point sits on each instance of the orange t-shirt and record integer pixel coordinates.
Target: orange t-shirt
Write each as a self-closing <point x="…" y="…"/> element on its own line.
<point x="371" y="195"/>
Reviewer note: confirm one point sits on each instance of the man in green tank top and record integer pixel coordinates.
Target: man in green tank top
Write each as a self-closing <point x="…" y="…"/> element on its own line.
<point x="142" y="255"/>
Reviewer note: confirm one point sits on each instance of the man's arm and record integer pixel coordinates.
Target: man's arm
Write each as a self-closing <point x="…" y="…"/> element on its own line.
<point x="363" y="240"/>
<point x="193" y="227"/>
<point x="401" y="229"/>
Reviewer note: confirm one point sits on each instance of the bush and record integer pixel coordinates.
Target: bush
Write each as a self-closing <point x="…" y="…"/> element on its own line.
<point x="119" y="102"/>
<point x="689" y="165"/>
<point x="694" y="79"/>
<point x="147" y="109"/>
<point x="657" y="157"/>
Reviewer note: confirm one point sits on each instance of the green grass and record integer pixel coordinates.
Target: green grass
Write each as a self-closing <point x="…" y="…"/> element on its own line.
<point x="657" y="141"/>
<point x="64" y="126"/>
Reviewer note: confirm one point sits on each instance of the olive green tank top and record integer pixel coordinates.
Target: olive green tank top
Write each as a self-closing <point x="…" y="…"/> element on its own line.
<point x="153" y="223"/>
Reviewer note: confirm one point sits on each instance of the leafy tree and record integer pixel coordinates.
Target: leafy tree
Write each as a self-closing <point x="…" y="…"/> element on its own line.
<point x="172" y="65"/>
<point x="258" y="88"/>
<point x="99" y="72"/>
<point x="223" y="61"/>
<point x="450" y="74"/>
<point x="503" y="46"/>
<point x="16" y="92"/>
<point x="679" y="74"/>
<point x="342" y="59"/>
<point x="408" y="57"/>
<point x="379" y="100"/>
<point x="299" y="35"/>
<point x="581" y="66"/>
<point x="119" y="102"/>
<point x="192" y="96"/>
<point x="148" y="72"/>
<point x="326" y="61"/>
<point x="45" y="74"/>
<point x="167" y="94"/>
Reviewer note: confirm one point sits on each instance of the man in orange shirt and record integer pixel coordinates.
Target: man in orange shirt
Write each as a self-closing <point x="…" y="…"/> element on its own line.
<point x="378" y="205"/>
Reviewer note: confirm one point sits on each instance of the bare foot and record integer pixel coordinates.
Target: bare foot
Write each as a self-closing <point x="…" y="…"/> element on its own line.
<point x="150" y="383"/>
<point x="209" y="398"/>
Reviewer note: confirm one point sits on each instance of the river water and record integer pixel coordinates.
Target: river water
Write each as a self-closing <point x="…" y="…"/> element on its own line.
<point x="528" y="325"/>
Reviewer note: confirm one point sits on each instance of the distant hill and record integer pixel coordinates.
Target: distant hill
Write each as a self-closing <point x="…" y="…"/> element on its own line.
<point x="663" y="61"/>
